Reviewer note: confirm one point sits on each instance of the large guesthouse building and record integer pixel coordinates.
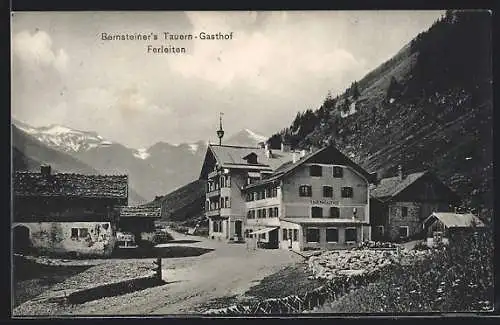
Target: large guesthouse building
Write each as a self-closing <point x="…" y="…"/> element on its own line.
<point x="286" y="199"/>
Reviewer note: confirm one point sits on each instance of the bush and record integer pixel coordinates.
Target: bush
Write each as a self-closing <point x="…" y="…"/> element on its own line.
<point x="421" y="246"/>
<point x="457" y="277"/>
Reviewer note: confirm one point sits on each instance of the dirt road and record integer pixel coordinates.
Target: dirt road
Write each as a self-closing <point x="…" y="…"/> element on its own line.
<point x="230" y="269"/>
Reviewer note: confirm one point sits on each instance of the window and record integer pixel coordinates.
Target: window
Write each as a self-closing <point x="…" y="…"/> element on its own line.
<point x="249" y="214"/>
<point x="380" y="230"/>
<point x="305" y="190"/>
<point x="346" y="191"/>
<point x="327" y="191"/>
<point x="268" y="192"/>
<point x="276" y="213"/>
<point x="262" y="236"/>
<point x="312" y="235"/>
<point x="317" y="212"/>
<point x="274" y="192"/>
<point x="403" y="231"/>
<point x="295" y="235"/>
<point x="334" y="212"/>
<point x="264" y="211"/>
<point x="74" y="232"/>
<point x="259" y="213"/>
<point x="217" y="226"/>
<point x="332" y="235"/>
<point x="315" y="170"/>
<point x="351" y="235"/>
<point x="338" y="172"/>
<point x="404" y="212"/>
<point x="290" y="232"/>
<point x="270" y="213"/>
<point x="285" y="234"/>
<point x="83" y="232"/>
<point x="228" y="202"/>
<point x="253" y="214"/>
<point x="228" y="181"/>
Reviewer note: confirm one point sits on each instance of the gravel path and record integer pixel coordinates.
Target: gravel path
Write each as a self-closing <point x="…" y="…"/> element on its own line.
<point x="228" y="270"/>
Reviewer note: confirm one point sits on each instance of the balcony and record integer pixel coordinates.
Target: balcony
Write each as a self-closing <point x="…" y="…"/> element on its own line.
<point x="212" y="174"/>
<point x="223" y="212"/>
<point x="213" y="193"/>
<point x="212" y="213"/>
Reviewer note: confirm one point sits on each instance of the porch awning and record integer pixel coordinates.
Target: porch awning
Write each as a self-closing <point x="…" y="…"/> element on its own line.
<point x="262" y="231"/>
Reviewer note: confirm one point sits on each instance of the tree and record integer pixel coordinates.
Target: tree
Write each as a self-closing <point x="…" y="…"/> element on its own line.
<point x="354" y="90"/>
<point x="394" y="88"/>
<point x="345" y="105"/>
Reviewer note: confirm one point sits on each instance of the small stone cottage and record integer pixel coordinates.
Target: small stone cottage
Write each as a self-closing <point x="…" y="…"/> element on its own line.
<point x="66" y="214"/>
<point x="399" y="204"/>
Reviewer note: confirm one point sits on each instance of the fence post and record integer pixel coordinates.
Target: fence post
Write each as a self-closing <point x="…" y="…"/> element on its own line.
<point x="158" y="268"/>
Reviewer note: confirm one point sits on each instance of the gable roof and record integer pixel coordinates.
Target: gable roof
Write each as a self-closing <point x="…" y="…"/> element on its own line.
<point x="70" y="185"/>
<point x="234" y="156"/>
<point x="391" y="186"/>
<point x="140" y="211"/>
<point x="456" y="220"/>
<point x="290" y="166"/>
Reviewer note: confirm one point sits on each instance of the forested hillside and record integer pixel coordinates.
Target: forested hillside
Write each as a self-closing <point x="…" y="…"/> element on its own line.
<point x="429" y="107"/>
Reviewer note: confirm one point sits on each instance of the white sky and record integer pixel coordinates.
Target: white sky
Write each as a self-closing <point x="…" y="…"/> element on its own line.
<point x="278" y="63"/>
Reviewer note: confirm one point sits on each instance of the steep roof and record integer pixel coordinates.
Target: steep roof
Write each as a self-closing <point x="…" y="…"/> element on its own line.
<point x="391" y="186"/>
<point x="70" y="185"/>
<point x="233" y="156"/>
<point x="456" y="220"/>
<point x="140" y="211"/>
<point x="336" y="155"/>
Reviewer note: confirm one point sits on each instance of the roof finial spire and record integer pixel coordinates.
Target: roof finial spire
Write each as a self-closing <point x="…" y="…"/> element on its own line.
<point x="220" y="132"/>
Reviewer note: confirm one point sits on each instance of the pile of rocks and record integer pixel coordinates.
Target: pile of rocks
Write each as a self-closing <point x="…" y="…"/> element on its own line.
<point x="333" y="264"/>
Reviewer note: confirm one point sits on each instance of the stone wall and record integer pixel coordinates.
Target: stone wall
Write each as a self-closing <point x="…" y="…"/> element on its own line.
<point x="58" y="238"/>
<point x="396" y="220"/>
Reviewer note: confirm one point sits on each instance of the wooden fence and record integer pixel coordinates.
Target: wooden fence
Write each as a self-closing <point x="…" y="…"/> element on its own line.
<point x="297" y="304"/>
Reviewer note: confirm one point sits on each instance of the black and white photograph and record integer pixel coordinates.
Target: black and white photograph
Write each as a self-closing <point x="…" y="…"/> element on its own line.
<point x="251" y="163"/>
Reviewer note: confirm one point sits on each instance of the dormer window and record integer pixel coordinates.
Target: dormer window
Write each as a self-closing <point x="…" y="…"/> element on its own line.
<point x="251" y="158"/>
<point x="315" y="170"/>
<point x="338" y="172"/>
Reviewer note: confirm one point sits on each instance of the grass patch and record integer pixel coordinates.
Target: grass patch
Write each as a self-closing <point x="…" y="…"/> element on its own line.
<point x="458" y="278"/>
<point x="32" y="279"/>
<point x="291" y="280"/>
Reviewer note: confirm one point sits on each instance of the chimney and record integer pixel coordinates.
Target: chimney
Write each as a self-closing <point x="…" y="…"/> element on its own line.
<point x="45" y="170"/>
<point x="294" y="157"/>
<point x="400" y="172"/>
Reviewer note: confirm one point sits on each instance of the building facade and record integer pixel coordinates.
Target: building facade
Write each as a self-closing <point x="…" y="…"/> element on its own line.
<point x="66" y="214"/>
<point x="400" y="204"/>
<point x="297" y="200"/>
<point x="140" y="222"/>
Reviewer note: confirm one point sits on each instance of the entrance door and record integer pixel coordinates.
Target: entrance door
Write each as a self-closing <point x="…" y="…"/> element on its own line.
<point x="273" y="238"/>
<point x="238" y="225"/>
<point x="21" y="238"/>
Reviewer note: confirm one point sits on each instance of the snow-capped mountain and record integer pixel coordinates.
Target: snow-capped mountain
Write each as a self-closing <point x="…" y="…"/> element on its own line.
<point x="245" y="137"/>
<point x="142" y="153"/>
<point x="152" y="171"/>
<point x="64" y="138"/>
